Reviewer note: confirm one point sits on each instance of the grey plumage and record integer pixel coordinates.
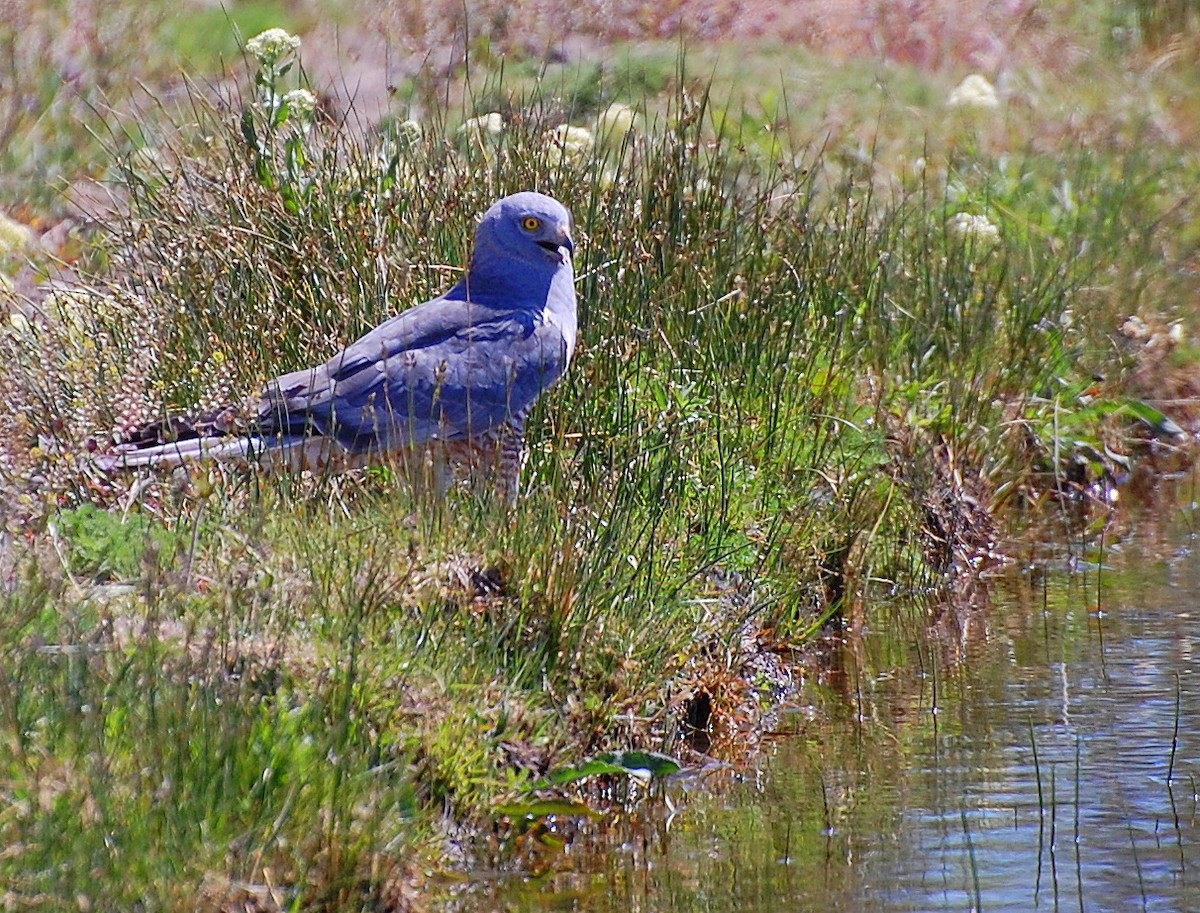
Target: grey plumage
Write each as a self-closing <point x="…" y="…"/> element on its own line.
<point x="450" y="380"/>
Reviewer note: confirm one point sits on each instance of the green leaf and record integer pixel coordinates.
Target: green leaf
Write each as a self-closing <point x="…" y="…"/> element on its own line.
<point x="291" y="199"/>
<point x="248" y="131"/>
<point x="654" y="763"/>
<point x="646" y="765"/>
<point x="592" y="768"/>
<point x="296" y="158"/>
<point x="262" y="171"/>
<point x="1158" y="422"/>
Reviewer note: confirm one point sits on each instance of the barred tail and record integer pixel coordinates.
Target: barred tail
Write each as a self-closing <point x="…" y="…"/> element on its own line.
<point x="289" y="452"/>
<point x="248" y="450"/>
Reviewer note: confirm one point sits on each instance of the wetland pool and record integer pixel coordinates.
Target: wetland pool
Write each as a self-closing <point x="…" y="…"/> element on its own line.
<point x="1041" y="753"/>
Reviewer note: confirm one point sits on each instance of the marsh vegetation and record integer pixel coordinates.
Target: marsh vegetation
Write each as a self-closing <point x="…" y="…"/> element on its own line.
<point x="821" y="372"/>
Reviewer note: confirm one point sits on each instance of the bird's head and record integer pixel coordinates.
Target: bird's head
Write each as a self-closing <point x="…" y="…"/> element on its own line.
<point x="528" y="227"/>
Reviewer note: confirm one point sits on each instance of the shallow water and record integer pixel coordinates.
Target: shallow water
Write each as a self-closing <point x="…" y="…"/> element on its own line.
<point x="1042" y="754"/>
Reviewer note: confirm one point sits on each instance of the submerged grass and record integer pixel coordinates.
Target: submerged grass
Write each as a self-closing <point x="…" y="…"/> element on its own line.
<point x="796" y="389"/>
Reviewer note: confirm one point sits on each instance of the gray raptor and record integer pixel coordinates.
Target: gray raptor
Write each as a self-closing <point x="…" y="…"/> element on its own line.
<point x="444" y="387"/>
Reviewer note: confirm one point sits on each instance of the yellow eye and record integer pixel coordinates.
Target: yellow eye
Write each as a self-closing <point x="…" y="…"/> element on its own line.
<point x="531" y="223"/>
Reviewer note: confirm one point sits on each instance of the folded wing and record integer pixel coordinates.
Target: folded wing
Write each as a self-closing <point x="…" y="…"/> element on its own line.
<point x="446" y="370"/>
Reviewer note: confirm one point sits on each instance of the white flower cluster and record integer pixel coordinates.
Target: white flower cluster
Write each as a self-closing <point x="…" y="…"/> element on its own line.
<point x="484" y="127"/>
<point x="18" y="323"/>
<point x="978" y="229"/>
<point x="615" y="122"/>
<point x="408" y="132"/>
<point x="1154" y="336"/>
<point x="568" y="143"/>
<point x="974" y="93"/>
<point x="572" y="139"/>
<point x="272" y="46"/>
<point x="301" y="104"/>
<point x="396" y="155"/>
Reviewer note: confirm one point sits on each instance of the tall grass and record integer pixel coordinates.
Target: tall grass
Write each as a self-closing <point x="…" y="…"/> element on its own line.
<point x="789" y="385"/>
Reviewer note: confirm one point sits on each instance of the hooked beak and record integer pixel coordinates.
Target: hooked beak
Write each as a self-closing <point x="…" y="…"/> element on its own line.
<point x="557" y="247"/>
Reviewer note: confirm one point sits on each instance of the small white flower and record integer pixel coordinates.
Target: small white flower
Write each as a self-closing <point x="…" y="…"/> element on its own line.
<point x="978" y="229"/>
<point x="302" y="103"/>
<point x="569" y="143"/>
<point x="19" y="324"/>
<point x="409" y="132"/>
<point x="272" y="46"/>
<point x="615" y="122"/>
<point x="698" y="188"/>
<point x="395" y="148"/>
<point x="573" y="140"/>
<point x="1135" y="328"/>
<point x="483" y="127"/>
<point x="974" y="93"/>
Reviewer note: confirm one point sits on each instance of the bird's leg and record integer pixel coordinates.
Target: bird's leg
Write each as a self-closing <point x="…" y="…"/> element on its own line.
<point x="510" y="460"/>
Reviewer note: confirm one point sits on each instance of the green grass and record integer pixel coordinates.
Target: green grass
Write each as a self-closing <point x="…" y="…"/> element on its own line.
<point x="208" y="39"/>
<point x="794" y="381"/>
<point x="140" y="763"/>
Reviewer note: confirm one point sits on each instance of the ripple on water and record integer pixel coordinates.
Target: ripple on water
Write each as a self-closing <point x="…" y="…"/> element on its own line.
<point x="1051" y="777"/>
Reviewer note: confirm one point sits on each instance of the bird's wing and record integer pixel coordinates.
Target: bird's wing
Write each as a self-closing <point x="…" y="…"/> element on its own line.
<point x="447" y="369"/>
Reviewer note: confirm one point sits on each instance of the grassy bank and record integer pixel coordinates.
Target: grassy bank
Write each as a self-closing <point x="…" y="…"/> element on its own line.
<point x="813" y="378"/>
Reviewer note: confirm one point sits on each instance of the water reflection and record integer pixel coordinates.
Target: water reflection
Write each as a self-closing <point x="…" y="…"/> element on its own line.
<point x="1055" y="768"/>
